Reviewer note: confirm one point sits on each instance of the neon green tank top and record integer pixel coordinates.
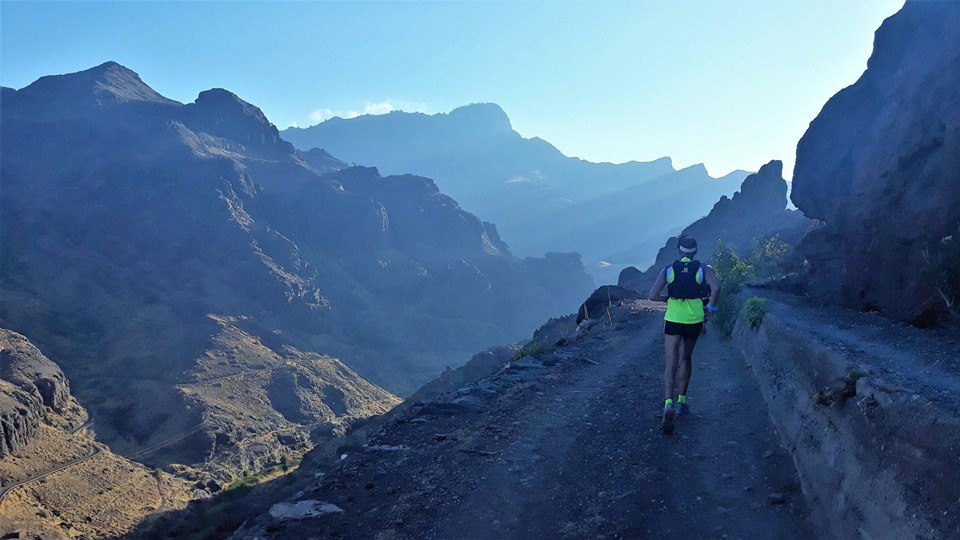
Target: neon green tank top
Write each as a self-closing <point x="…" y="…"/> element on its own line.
<point x="683" y="311"/>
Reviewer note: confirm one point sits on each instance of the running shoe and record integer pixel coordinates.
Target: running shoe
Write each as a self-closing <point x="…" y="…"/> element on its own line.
<point x="669" y="412"/>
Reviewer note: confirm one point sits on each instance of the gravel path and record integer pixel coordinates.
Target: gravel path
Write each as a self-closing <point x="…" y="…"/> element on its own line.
<point x="593" y="462"/>
<point x="567" y="449"/>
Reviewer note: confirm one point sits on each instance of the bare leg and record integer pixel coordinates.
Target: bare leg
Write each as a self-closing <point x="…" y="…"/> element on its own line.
<point x="672" y="350"/>
<point x="686" y="361"/>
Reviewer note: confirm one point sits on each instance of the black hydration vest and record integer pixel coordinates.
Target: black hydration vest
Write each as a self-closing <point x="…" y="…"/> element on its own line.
<point x="684" y="284"/>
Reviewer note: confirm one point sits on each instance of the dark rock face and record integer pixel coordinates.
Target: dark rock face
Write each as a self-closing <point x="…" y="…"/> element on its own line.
<point x="29" y="382"/>
<point x="20" y="415"/>
<point x="880" y="166"/>
<point x="23" y="365"/>
<point x="127" y="218"/>
<point x="604" y="211"/>
<point x="756" y="212"/>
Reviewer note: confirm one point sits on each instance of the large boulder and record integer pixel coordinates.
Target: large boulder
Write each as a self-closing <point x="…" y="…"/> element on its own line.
<point x="880" y="167"/>
<point x="595" y="307"/>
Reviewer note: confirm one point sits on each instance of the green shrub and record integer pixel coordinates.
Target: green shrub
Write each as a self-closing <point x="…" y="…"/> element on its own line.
<point x="766" y="260"/>
<point x="769" y="257"/>
<point x="534" y="348"/>
<point x="733" y="271"/>
<point x="753" y="311"/>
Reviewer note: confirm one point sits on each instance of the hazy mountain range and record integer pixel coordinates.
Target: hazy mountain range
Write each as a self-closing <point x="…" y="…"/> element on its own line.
<point x="150" y="245"/>
<point x="540" y="199"/>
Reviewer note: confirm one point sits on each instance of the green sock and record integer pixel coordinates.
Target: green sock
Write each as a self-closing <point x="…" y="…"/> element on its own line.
<point x="668" y="402"/>
<point x="681" y="398"/>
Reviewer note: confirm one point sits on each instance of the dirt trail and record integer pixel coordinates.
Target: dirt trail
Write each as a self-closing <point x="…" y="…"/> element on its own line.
<point x="593" y="460"/>
<point x="571" y="450"/>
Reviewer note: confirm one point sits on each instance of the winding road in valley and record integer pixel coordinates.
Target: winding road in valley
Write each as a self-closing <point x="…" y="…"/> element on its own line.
<point x="5" y="490"/>
<point x="95" y="451"/>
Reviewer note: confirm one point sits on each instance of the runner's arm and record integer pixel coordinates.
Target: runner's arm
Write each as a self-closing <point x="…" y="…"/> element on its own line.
<point x="714" y="282"/>
<point x="657" y="288"/>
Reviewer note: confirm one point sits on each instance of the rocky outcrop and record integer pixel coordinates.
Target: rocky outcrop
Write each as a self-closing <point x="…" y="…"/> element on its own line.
<point x="23" y="365"/>
<point x="616" y="213"/>
<point x="30" y="385"/>
<point x="20" y="415"/>
<point x="756" y="212"/>
<point x="880" y="167"/>
<point x="597" y="306"/>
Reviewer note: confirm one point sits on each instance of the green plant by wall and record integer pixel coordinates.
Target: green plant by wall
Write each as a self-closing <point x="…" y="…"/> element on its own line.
<point x="753" y="311"/>
<point x="733" y="272"/>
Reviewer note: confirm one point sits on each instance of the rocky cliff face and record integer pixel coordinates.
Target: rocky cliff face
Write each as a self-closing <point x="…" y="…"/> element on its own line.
<point x="22" y="364"/>
<point x="757" y="211"/>
<point x="20" y="415"/>
<point x="880" y="167"/>
<point x="606" y="212"/>
<point x="132" y="225"/>
<point x="30" y="384"/>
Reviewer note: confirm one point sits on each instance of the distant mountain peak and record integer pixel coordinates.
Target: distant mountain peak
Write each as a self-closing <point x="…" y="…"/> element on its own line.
<point x="222" y="113"/>
<point x="665" y="160"/>
<point x="766" y="190"/>
<point x="699" y="168"/>
<point x="225" y="101"/>
<point x="483" y="115"/>
<point x="109" y="82"/>
<point x="110" y="65"/>
<point x="773" y="169"/>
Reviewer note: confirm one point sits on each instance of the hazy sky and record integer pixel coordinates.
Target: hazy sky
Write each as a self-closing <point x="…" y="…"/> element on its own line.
<point x="729" y="83"/>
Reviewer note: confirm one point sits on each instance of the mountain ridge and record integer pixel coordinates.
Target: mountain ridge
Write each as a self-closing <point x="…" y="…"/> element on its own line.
<point x="540" y="199"/>
<point x="132" y="226"/>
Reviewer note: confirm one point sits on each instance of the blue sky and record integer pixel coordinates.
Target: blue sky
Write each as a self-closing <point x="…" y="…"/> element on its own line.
<point x="728" y="83"/>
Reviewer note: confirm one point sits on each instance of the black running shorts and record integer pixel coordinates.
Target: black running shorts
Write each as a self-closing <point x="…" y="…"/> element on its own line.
<point x="684" y="330"/>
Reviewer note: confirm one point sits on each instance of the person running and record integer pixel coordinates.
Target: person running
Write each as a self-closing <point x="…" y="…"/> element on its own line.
<point x="683" y="322"/>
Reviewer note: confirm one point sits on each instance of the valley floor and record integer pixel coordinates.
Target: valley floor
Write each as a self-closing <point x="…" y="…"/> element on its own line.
<point x="569" y="447"/>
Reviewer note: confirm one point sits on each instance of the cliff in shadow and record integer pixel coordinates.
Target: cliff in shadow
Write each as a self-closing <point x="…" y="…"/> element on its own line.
<point x="31" y="386"/>
<point x="880" y="167"/>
